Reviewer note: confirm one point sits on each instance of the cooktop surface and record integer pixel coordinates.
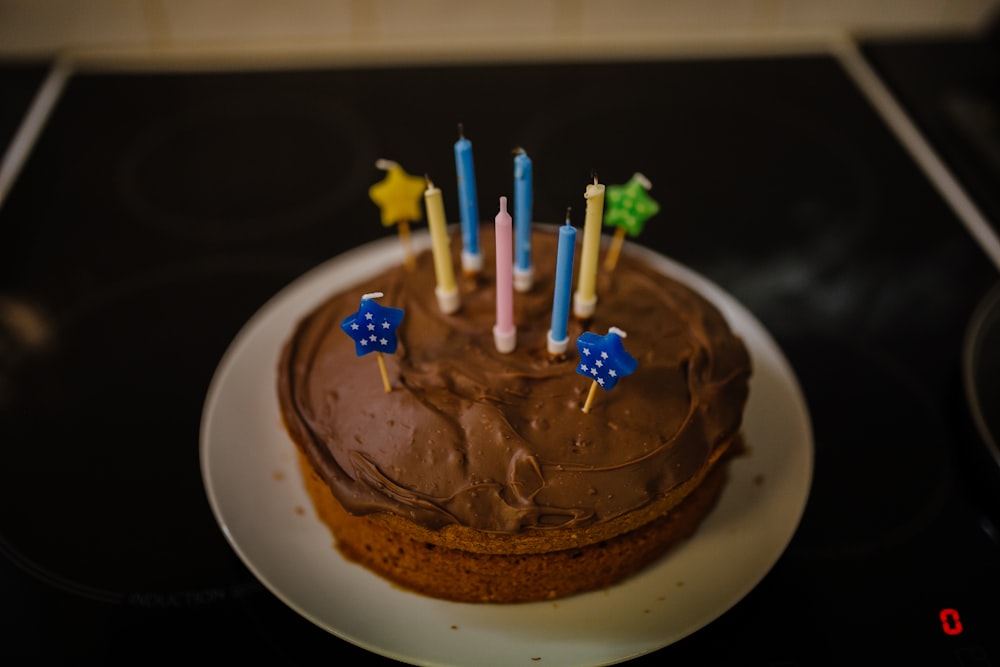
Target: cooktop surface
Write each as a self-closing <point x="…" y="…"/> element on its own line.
<point x="156" y="211"/>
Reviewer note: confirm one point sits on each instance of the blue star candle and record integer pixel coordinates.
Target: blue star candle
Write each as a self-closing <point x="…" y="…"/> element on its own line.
<point x="523" y="271"/>
<point x="373" y="329"/>
<point x="604" y="360"/>
<point x="468" y="204"/>
<point x="558" y="339"/>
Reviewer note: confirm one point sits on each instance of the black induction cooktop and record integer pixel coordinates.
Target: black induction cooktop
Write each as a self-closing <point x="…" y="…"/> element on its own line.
<point x="157" y="211"/>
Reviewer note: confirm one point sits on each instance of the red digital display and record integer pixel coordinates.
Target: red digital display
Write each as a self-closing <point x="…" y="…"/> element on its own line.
<point x="950" y="622"/>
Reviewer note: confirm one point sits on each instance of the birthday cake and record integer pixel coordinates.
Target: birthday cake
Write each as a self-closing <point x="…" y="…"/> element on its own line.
<point x="472" y="474"/>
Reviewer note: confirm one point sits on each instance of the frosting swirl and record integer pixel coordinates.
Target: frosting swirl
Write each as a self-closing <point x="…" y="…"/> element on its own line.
<point x="497" y="442"/>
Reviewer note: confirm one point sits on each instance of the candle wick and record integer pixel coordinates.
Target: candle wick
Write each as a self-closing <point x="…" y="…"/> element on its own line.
<point x="427" y="179"/>
<point x="461" y="131"/>
<point x="568" y="209"/>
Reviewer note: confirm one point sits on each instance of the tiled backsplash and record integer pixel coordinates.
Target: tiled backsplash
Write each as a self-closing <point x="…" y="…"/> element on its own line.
<point x="381" y="30"/>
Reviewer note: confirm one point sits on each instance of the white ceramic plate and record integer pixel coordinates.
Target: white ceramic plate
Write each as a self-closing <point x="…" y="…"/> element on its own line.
<point x="255" y="489"/>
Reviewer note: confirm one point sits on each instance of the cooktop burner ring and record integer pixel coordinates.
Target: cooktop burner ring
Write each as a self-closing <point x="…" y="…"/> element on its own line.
<point x="981" y="382"/>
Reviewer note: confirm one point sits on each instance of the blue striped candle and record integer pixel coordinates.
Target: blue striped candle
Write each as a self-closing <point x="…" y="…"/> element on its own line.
<point x="558" y="338"/>
<point x="523" y="273"/>
<point x="468" y="204"/>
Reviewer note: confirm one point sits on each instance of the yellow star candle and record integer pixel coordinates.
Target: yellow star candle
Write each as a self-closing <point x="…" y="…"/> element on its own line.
<point x="446" y="290"/>
<point x="398" y="195"/>
<point x="585" y="298"/>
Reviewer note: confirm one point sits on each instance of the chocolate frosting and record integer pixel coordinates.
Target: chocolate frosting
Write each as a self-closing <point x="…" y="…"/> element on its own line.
<point x="499" y="442"/>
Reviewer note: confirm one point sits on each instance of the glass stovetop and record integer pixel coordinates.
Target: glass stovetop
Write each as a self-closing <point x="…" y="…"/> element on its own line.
<point x="158" y="210"/>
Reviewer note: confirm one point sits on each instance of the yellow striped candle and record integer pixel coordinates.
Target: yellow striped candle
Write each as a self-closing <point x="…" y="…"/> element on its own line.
<point x="585" y="298"/>
<point x="446" y="290"/>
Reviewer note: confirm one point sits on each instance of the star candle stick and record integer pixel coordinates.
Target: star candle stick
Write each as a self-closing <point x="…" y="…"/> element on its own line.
<point x="604" y="360"/>
<point x="627" y="207"/>
<point x="398" y="195"/>
<point x="373" y="329"/>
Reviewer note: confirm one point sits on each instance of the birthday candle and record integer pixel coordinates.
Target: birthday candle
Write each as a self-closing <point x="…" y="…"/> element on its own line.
<point x="523" y="270"/>
<point x="373" y="329"/>
<point x="504" y="332"/>
<point x="604" y="360"/>
<point x="585" y="298"/>
<point x="398" y="195"/>
<point x="558" y="340"/>
<point x="446" y="290"/>
<point x="628" y="208"/>
<point x="468" y="204"/>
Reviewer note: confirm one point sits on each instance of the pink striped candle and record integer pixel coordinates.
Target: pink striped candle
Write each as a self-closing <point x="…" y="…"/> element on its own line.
<point x="504" y="331"/>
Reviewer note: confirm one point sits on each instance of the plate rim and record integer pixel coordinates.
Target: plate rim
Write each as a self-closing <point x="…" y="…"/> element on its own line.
<point x="303" y="293"/>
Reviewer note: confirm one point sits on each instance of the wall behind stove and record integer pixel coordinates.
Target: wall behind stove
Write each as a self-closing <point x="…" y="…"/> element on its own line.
<point x="399" y="30"/>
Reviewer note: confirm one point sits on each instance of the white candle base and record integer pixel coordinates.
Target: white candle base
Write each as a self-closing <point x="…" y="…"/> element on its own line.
<point x="471" y="263"/>
<point x="505" y="341"/>
<point x="557" y="347"/>
<point x="524" y="278"/>
<point x="584" y="308"/>
<point x="448" y="300"/>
